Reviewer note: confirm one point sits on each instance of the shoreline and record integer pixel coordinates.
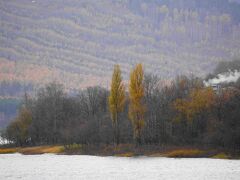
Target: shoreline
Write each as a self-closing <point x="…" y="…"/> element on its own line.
<point x="123" y="151"/>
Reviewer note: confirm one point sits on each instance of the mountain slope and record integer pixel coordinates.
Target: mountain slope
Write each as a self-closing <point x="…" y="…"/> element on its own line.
<point x="78" y="42"/>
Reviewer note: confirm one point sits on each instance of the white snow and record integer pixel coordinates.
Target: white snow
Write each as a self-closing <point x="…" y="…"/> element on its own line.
<point x="63" y="167"/>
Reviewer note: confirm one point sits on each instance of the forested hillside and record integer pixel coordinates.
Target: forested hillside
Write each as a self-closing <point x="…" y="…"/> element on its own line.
<point x="77" y="42"/>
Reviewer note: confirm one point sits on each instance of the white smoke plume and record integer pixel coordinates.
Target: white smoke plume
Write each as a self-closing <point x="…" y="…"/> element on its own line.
<point x="227" y="77"/>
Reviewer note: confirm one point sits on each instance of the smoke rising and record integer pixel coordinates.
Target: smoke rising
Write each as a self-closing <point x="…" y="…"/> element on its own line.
<point x="227" y="77"/>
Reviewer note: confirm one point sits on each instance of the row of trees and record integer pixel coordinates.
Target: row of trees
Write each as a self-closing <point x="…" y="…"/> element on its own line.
<point x="151" y="111"/>
<point x="136" y="101"/>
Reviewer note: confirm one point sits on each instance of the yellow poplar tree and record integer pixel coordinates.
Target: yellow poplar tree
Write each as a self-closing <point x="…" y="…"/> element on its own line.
<point x="116" y="100"/>
<point x="136" y="106"/>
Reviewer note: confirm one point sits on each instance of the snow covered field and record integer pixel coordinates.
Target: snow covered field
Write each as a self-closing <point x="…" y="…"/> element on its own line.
<point x="49" y="166"/>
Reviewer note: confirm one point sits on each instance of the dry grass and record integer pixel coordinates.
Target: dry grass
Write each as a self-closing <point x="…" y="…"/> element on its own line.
<point x="119" y="150"/>
<point x="122" y="150"/>
<point x="221" y="156"/>
<point x="128" y="154"/>
<point x="8" y="150"/>
<point x="74" y="149"/>
<point x="186" y="153"/>
<point x="33" y="150"/>
<point x="42" y="150"/>
<point x="158" y="154"/>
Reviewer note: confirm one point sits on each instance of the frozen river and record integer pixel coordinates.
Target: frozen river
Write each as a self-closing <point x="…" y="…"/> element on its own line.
<point x="29" y="167"/>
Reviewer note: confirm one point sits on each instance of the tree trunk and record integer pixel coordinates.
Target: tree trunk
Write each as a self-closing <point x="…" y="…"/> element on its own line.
<point x="117" y="131"/>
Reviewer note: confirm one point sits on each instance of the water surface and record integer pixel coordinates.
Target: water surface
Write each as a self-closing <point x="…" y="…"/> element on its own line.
<point x="57" y="167"/>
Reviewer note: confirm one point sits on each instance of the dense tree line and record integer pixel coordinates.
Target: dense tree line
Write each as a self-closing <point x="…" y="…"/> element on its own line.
<point x="150" y="111"/>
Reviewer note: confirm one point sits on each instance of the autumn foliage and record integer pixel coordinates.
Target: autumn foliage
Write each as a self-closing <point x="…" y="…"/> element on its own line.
<point x="19" y="128"/>
<point x="116" y="100"/>
<point x="137" y="107"/>
<point x="180" y="112"/>
<point x="199" y="100"/>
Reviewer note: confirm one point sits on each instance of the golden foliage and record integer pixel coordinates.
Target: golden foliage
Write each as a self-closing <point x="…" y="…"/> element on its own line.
<point x="136" y="94"/>
<point x="20" y="126"/>
<point x="199" y="100"/>
<point x="25" y="121"/>
<point x="117" y="94"/>
<point x="116" y="100"/>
